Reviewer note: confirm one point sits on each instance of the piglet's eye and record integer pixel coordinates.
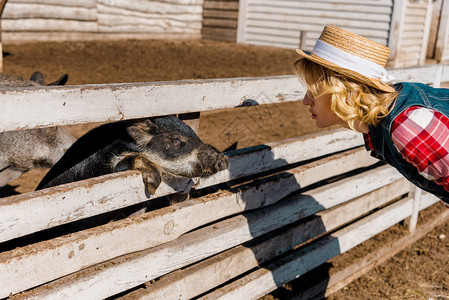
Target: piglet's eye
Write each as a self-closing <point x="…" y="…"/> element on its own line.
<point x="176" y="142"/>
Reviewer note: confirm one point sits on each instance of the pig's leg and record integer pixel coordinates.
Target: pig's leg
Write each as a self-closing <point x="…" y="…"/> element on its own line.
<point x="151" y="173"/>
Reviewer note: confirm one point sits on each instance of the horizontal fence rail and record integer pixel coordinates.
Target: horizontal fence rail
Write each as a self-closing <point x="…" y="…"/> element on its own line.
<point x="56" y="106"/>
<point x="278" y="211"/>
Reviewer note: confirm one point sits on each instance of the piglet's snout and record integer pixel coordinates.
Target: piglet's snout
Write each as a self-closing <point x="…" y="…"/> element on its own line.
<point x="222" y="162"/>
<point x="210" y="160"/>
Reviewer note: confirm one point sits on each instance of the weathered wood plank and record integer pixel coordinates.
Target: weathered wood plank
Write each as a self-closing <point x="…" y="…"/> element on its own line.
<point x="267" y="279"/>
<point x="138" y="16"/>
<point x="48" y="25"/>
<point x="222" y="5"/>
<point x="31" y="212"/>
<point x="134" y="24"/>
<point x="36" y="11"/>
<point x="220" y="23"/>
<point x="278" y="154"/>
<point x="223" y="14"/>
<point x="111" y="240"/>
<point x="161" y="7"/>
<point x="208" y="274"/>
<point x="50" y="106"/>
<point x="133" y="270"/>
<point x="223" y="34"/>
<point x="82" y="3"/>
<point x="27" y="36"/>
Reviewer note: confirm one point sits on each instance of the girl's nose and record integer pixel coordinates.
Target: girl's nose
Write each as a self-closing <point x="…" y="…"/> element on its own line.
<point x="307" y="99"/>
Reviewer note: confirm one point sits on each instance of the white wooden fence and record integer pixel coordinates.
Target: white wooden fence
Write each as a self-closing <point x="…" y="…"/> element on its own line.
<point x="283" y="194"/>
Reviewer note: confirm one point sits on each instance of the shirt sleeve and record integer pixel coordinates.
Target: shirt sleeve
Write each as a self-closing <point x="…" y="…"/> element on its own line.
<point x="421" y="135"/>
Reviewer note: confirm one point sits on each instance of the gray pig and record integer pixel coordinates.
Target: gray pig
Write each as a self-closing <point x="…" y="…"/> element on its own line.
<point x="23" y="150"/>
<point x="160" y="148"/>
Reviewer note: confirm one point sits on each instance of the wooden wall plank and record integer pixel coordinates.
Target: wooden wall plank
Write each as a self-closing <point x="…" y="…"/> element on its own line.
<point x="195" y="280"/>
<point x="221" y="5"/>
<point x="161" y="7"/>
<point x="139" y="16"/>
<point x="326" y="5"/>
<point x="318" y="20"/>
<point x="36" y="11"/>
<point x="28" y="36"/>
<point x="82" y="3"/>
<point x="222" y="14"/>
<point x="108" y="22"/>
<point x="133" y="270"/>
<point x="224" y="34"/>
<point x="388" y="3"/>
<point x="335" y="14"/>
<point x="312" y="27"/>
<point x="111" y="240"/>
<point x="220" y="23"/>
<point x="48" y="25"/>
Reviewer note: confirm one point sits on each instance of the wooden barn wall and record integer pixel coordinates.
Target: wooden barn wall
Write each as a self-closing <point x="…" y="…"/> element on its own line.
<point x="22" y="19"/>
<point x="414" y="34"/>
<point x="292" y="23"/>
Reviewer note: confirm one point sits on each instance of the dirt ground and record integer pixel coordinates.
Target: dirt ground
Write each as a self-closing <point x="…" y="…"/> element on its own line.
<point x="419" y="272"/>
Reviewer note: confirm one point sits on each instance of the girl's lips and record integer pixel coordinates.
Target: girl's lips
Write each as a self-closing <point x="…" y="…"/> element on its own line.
<point x="313" y="116"/>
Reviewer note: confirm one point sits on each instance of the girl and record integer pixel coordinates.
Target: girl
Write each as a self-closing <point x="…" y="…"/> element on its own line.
<point x="405" y="124"/>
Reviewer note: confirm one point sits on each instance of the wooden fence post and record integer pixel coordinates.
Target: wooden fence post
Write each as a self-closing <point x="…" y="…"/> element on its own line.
<point x="2" y="7"/>
<point x="443" y="32"/>
<point x="438" y="76"/>
<point x="241" y="22"/>
<point x="415" y="193"/>
<point x="303" y="40"/>
<point x="397" y="22"/>
<point x="427" y="24"/>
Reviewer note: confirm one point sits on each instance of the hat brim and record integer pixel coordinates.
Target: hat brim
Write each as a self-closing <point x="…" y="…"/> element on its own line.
<point x="373" y="82"/>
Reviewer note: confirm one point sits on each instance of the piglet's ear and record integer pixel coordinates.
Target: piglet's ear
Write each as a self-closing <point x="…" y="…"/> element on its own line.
<point x="142" y="131"/>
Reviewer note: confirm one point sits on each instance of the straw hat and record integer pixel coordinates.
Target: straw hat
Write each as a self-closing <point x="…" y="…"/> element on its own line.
<point x="351" y="55"/>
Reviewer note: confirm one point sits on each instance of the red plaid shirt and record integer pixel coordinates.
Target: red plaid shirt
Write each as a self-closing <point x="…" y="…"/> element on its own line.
<point x="421" y="135"/>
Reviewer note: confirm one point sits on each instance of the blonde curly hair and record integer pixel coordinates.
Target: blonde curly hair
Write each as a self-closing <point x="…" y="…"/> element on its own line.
<point x="351" y="101"/>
